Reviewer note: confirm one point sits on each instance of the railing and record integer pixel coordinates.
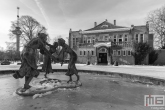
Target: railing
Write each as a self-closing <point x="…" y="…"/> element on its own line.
<point x="122" y="44"/>
<point x="85" y="45"/>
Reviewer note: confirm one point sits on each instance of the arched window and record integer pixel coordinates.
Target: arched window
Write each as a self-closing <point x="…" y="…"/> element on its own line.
<point x="103" y="50"/>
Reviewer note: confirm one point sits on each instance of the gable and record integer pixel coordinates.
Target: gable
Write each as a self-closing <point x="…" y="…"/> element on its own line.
<point x="105" y="25"/>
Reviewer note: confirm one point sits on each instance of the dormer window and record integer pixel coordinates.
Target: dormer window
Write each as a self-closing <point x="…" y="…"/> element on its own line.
<point x="104" y="26"/>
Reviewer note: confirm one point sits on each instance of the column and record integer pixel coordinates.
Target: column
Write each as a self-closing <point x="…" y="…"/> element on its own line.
<point x="138" y="37"/>
<point x="95" y="55"/>
<point x="109" y="56"/>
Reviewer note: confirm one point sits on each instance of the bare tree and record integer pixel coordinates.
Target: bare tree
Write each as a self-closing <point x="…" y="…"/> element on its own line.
<point x="156" y="20"/>
<point x="11" y="46"/>
<point x="11" y="52"/>
<point x="30" y="27"/>
<point x="55" y="39"/>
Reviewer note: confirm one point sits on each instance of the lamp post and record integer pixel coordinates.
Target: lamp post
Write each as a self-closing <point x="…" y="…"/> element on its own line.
<point x="17" y="32"/>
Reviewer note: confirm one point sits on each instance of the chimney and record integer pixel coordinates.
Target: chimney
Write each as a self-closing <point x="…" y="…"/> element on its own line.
<point x="106" y="20"/>
<point x="147" y="24"/>
<point x="95" y="24"/>
<point x="70" y="30"/>
<point x="115" y="22"/>
<point x="80" y="31"/>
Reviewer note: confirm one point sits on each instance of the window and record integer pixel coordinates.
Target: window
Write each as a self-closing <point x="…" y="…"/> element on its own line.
<point x="120" y="36"/>
<point x="89" y="41"/>
<point x="120" y="39"/>
<point x="84" y="52"/>
<point x="93" y="41"/>
<point x="129" y="53"/>
<point x="84" y="40"/>
<point x="104" y="26"/>
<point x="88" y="53"/>
<point x="114" y="52"/>
<point x="126" y="38"/>
<point x="76" y="39"/>
<point x="119" y="52"/>
<point x="74" y="42"/>
<point x="80" y="52"/>
<point x="106" y="38"/>
<point x="103" y="50"/>
<point x="136" y="39"/>
<point x="101" y="38"/>
<point x="115" y="38"/>
<point x="141" y="37"/>
<point x="92" y="52"/>
<point x="124" y="53"/>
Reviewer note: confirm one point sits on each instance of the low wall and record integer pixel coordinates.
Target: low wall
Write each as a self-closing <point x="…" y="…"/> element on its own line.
<point x="161" y="57"/>
<point x="124" y="60"/>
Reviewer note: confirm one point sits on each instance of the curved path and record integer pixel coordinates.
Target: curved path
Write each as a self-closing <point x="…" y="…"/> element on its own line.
<point x="149" y="73"/>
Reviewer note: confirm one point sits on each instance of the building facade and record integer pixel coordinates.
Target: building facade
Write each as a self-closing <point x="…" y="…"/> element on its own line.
<point x="106" y="43"/>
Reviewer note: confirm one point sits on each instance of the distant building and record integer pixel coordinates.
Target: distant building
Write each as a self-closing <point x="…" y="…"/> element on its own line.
<point x="106" y="43"/>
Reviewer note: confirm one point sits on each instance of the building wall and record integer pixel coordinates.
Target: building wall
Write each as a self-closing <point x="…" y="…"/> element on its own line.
<point x="122" y="59"/>
<point x="83" y="59"/>
<point x="91" y="39"/>
<point x="74" y="38"/>
<point x="161" y="57"/>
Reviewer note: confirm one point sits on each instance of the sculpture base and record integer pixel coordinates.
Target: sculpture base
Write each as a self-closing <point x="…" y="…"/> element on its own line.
<point x="46" y="85"/>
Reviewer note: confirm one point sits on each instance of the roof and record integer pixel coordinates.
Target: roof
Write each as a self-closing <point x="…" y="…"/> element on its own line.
<point x="106" y="30"/>
<point x="105" y="25"/>
<point x="140" y="28"/>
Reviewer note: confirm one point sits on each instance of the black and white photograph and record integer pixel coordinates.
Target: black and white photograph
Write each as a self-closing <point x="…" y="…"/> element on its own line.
<point x="82" y="54"/>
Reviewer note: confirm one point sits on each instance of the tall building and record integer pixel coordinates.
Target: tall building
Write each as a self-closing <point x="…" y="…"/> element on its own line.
<point x="107" y="42"/>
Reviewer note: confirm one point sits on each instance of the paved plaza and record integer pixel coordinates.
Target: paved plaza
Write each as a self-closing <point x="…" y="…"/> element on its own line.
<point x="99" y="92"/>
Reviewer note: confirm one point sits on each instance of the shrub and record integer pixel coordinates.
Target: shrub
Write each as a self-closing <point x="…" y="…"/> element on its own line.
<point x="141" y="50"/>
<point x="153" y="56"/>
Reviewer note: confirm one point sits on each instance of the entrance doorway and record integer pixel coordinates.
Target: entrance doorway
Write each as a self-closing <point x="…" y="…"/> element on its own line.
<point x="102" y="58"/>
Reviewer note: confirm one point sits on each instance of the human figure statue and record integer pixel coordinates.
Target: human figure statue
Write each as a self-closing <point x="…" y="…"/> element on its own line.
<point x="29" y="66"/>
<point x="47" y="67"/>
<point x="73" y="58"/>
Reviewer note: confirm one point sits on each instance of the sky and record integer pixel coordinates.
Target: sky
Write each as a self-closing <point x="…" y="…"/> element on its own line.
<point x="58" y="16"/>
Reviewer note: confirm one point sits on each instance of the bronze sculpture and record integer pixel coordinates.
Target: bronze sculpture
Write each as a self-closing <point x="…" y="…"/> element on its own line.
<point x="73" y="58"/>
<point x="29" y="66"/>
<point x="47" y="67"/>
